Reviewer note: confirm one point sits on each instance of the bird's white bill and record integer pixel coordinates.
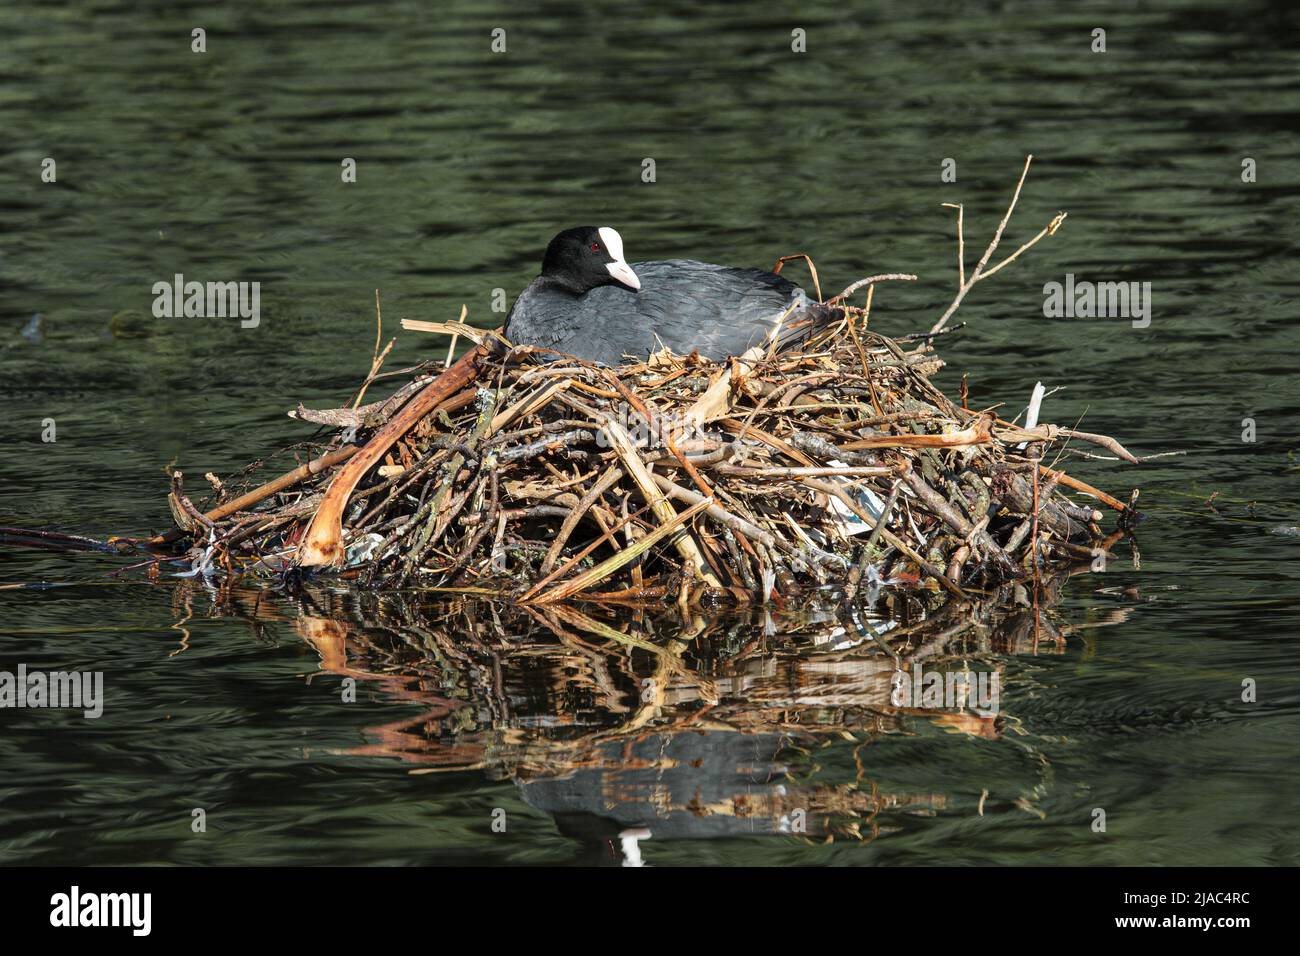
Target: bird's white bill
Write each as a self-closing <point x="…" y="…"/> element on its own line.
<point x="619" y="268"/>
<point x="621" y="271"/>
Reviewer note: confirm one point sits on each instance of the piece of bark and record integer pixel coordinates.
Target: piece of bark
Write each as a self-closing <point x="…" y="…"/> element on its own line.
<point x="322" y="545"/>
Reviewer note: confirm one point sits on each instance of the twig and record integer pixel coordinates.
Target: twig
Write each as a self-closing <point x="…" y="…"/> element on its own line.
<point x="977" y="274"/>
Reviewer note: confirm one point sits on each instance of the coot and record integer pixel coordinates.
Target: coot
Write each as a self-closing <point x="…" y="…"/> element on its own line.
<point x="590" y="303"/>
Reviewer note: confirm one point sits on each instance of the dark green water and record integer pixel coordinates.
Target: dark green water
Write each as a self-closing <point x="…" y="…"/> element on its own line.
<point x="226" y="166"/>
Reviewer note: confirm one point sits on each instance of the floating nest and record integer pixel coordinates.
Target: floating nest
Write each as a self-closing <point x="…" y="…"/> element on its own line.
<point x="835" y="464"/>
<point x="514" y="473"/>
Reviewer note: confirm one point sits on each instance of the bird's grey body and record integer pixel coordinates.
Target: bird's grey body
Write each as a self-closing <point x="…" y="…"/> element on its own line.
<point x="682" y="304"/>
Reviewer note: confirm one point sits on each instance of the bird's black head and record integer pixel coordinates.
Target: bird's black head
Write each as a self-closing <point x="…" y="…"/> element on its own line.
<point x="584" y="258"/>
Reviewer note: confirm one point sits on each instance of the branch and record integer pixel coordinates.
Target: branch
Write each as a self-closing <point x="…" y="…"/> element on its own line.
<point x="978" y="273"/>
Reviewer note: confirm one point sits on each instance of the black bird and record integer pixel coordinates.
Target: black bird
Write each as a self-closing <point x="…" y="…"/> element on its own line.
<point x="588" y="302"/>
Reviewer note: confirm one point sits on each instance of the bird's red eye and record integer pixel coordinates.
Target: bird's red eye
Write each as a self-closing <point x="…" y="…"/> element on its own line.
<point x="595" y="247"/>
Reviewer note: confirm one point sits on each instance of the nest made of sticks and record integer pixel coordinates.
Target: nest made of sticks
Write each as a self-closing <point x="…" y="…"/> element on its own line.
<point x="835" y="463"/>
<point x="512" y="473"/>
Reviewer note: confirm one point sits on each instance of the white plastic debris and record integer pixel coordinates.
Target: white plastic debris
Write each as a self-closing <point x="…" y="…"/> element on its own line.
<point x="867" y="500"/>
<point x="363" y="549"/>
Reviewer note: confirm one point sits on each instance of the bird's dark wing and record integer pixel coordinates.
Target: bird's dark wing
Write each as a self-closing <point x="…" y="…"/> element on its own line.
<point x="689" y="306"/>
<point x="683" y="305"/>
<point x="553" y="319"/>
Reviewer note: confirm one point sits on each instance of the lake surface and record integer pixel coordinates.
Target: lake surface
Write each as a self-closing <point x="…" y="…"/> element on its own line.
<point x="225" y="166"/>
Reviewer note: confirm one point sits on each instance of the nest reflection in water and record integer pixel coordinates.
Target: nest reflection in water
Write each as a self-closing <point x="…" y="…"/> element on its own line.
<point x="634" y="722"/>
